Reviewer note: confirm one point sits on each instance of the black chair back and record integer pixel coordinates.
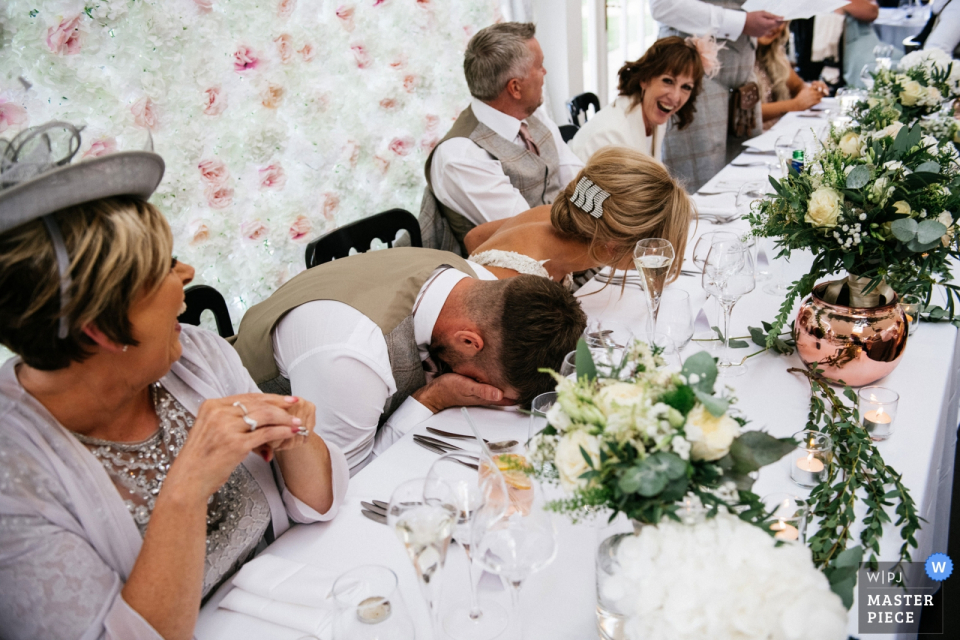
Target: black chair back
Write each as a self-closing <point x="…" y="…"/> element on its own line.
<point x="567" y="131"/>
<point x="578" y="105"/>
<point x="200" y="298"/>
<point x="383" y="226"/>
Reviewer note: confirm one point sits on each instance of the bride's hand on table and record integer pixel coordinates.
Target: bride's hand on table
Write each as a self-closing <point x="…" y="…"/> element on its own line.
<point x="454" y="390"/>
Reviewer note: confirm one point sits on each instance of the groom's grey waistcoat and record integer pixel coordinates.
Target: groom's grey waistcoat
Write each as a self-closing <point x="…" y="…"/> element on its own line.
<point x="537" y="178"/>
<point x="381" y="285"/>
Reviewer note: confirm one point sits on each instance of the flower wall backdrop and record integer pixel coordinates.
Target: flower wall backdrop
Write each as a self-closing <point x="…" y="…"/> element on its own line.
<point x="278" y="119"/>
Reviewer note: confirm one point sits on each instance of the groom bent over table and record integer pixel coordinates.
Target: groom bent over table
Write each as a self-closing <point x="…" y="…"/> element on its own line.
<point x="381" y="341"/>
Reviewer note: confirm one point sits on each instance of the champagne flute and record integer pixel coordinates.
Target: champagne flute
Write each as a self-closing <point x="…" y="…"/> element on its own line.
<point x="470" y="493"/>
<point x="676" y="319"/>
<point x="728" y="275"/>
<point x="653" y="258"/>
<point x="425" y="527"/>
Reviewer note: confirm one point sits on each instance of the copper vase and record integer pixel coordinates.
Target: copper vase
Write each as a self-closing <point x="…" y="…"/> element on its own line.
<point x="853" y="345"/>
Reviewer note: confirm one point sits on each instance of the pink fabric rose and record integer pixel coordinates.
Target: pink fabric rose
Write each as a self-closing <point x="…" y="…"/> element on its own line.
<point x="401" y="146"/>
<point x="219" y="197"/>
<point x="64" y="39"/>
<point x="382" y="164"/>
<point x="307" y="52"/>
<point x="361" y="55"/>
<point x="388" y="104"/>
<point x="214" y="172"/>
<point x="300" y="229"/>
<point x="204" y="6"/>
<point x="101" y="147"/>
<point x="214" y="101"/>
<point x="285" y="8"/>
<point x="272" y="177"/>
<point x="329" y="205"/>
<point x="11" y="115"/>
<point x="254" y="230"/>
<point x="410" y="83"/>
<point x="433" y="121"/>
<point x="200" y="232"/>
<point x="245" y="59"/>
<point x="271" y="96"/>
<point x="285" y="47"/>
<point x="351" y="152"/>
<point x="345" y="14"/>
<point x="429" y="141"/>
<point x="145" y="114"/>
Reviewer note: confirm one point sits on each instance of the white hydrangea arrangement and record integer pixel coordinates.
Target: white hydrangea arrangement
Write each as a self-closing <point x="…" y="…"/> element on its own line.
<point x="721" y="578"/>
<point x="639" y="436"/>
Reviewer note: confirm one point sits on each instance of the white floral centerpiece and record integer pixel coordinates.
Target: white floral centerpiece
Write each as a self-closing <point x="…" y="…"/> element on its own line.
<point x="638" y="436"/>
<point x="721" y="578"/>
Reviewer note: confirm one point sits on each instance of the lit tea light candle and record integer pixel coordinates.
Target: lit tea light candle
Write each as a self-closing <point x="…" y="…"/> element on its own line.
<point x="877" y="422"/>
<point x="808" y="471"/>
<point x="373" y="610"/>
<point x="785" y="531"/>
<point x="878" y="406"/>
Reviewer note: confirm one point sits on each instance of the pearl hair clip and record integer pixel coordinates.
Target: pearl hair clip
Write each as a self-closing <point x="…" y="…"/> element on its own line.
<point x="589" y="197"/>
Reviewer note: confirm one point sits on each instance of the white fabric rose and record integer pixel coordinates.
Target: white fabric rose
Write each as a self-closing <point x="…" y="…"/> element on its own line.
<point x="911" y="93"/>
<point x="569" y="459"/>
<point x="823" y="208"/>
<point x="850" y="144"/>
<point x="710" y="435"/>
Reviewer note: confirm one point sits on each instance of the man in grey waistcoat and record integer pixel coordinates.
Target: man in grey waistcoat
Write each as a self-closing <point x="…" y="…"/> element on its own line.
<point x="503" y="155"/>
<point x="381" y="341"/>
<point x="704" y="147"/>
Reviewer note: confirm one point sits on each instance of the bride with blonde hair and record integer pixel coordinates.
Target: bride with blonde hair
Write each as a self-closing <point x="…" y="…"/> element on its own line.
<point x="620" y="196"/>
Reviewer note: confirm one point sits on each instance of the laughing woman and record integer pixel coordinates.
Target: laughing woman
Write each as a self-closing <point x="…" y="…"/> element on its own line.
<point x="662" y="84"/>
<point x="140" y="466"/>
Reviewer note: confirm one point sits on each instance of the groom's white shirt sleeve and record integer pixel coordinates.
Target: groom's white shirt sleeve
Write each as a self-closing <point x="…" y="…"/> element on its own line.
<point x="699" y="18"/>
<point x="336" y="357"/>
<point x="469" y="180"/>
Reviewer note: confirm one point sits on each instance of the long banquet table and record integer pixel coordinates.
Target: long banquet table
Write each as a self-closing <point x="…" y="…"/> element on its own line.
<point x="559" y="602"/>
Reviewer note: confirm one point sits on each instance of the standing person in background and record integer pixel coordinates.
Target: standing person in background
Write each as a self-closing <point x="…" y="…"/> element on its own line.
<point x="698" y="152"/>
<point x="503" y="155"/>
<point x="859" y="38"/>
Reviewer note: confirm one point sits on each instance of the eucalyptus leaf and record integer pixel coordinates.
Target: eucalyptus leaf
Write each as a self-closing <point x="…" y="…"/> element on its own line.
<point x="929" y="231"/>
<point x="858" y="178"/>
<point x="752" y="450"/>
<point x="904" y="229"/>
<point x="738" y="344"/>
<point x="716" y="406"/>
<point x="701" y="364"/>
<point x="669" y="463"/>
<point x="586" y="368"/>
<point x="930" y="166"/>
<point x="758" y="336"/>
<point x="919" y="247"/>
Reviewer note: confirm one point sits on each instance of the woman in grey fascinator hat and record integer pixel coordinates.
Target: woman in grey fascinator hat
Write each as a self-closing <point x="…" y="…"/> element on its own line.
<point x="127" y="491"/>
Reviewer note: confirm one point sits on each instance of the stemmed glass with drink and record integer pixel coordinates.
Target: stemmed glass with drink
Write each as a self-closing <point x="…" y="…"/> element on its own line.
<point x="728" y="275"/>
<point x="653" y="258"/>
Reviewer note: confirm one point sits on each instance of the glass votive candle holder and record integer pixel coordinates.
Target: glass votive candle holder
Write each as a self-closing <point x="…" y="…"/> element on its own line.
<point x="912" y="306"/>
<point x="811" y="462"/>
<point x="787" y="516"/>
<point x="878" y="410"/>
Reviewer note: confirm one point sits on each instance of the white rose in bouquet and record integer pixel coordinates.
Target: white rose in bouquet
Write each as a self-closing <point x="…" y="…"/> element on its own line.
<point x="890" y="130"/>
<point x="931" y="97"/>
<point x="850" y="144"/>
<point x="710" y="435"/>
<point x="911" y="92"/>
<point x="823" y="208"/>
<point x="557" y="418"/>
<point x="880" y="190"/>
<point x="569" y="459"/>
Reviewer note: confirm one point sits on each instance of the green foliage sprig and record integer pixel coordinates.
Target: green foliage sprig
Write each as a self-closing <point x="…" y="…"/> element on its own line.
<point x="858" y="474"/>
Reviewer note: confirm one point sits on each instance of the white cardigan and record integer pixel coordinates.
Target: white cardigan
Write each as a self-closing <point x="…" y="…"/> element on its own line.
<point x="67" y="541"/>
<point x="615" y="126"/>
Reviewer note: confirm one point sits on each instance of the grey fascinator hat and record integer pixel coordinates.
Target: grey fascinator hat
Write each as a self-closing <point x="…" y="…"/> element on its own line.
<point x="38" y="179"/>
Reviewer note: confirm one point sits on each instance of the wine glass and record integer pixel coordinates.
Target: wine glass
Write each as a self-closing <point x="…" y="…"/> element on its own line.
<point x="517" y="542"/>
<point x="425" y="527"/>
<point x="883" y="54"/>
<point x="866" y="74"/>
<point x="467" y="621"/>
<point x="728" y="275"/>
<point x="604" y="358"/>
<point x="538" y="412"/>
<point x="700" y="250"/>
<point x="369" y="607"/>
<point x="676" y="318"/>
<point x="784" y="147"/>
<point x="777" y="286"/>
<point x="653" y="257"/>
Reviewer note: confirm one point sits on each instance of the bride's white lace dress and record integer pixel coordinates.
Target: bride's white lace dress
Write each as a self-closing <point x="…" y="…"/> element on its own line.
<point x="518" y="262"/>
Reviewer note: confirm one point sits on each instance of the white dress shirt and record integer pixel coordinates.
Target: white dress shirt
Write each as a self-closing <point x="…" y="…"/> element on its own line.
<point x="699" y="18"/>
<point x="619" y="126"/>
<point x="467" y="179"/>
<point x="946" y="32"/>
<point x="336" y="357"/>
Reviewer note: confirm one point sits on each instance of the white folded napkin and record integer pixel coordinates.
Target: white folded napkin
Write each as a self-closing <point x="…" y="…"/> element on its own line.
<point x="282" y="591"/>
<point x="723" y="203"/>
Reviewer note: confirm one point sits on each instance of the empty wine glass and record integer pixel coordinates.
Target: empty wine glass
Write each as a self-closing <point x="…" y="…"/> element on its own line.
<point x="425" y="528"/>
<point x="883" y="54"/>
<point x="604" y="358"/>
<point x="676" y="318"/>
<point x="516" y="543"/>
<point x="468" y="621"/>
<point x="700" y="250"/>
<point x="653" y="258"/>
<point x="538" y="412"/>
<point x="866" y="74"/>
<point x="749" y="193"/>
<point x="778" y="285"/>
<point x="784" y="147"/>
<point x="728" y="275"/>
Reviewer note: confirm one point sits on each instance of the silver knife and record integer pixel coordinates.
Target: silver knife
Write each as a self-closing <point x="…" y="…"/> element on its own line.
<point x="438" y="443"/>
<point x="376" y="517"/>
<point x="447" y="434"/>
<point x="429" y="447"/>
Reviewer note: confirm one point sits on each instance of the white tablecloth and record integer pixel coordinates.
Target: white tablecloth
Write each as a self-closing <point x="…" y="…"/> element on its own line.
<point x="895" y="24"/>
<point x="559" y="602"/>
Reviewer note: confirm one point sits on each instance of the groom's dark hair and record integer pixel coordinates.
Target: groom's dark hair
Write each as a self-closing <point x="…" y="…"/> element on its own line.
<point x="530" y="323"/>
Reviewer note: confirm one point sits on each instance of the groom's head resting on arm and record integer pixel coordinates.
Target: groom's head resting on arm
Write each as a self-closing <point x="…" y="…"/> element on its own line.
<point x="500" y="332"/>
